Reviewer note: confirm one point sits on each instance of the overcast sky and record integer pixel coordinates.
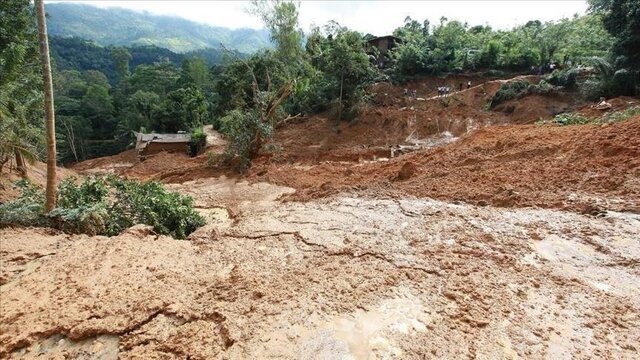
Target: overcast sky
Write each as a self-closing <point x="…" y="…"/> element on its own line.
<point x="375" y="17"/>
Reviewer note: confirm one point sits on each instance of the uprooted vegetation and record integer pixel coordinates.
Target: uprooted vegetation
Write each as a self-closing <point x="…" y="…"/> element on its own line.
<point x="104" y="206"/>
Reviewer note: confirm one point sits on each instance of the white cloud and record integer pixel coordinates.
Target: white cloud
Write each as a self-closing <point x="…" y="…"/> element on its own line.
<point x="376" y="17"/>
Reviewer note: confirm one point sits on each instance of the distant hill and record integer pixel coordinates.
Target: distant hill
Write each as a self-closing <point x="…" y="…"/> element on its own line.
<point x="80" y="54"/>
<point x="116" y="26"/>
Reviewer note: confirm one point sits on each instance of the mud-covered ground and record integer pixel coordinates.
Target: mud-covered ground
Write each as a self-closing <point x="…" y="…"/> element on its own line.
<point x="510" y="241"/>
<point x="348" y="276"/>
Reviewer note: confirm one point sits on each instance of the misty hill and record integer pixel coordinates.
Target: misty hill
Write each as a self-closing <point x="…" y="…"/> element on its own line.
<point x="116" y="26"/>
<point x="80" y="54"/>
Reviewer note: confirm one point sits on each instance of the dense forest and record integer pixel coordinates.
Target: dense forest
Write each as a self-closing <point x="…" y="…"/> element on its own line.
<point x="82" y="55"/>
<point x="102" y="94"/>
<point x="117" y="26"/>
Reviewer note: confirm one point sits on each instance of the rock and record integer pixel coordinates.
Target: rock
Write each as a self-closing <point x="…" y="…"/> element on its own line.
<point x="140" y="231"/>
<point x="407" y="171"/>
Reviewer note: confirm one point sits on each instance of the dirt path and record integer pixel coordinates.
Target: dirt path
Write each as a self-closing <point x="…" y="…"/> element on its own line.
<point x="347" y="276"/>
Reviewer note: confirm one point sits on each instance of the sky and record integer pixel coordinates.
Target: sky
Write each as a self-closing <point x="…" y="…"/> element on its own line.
<point x="375" y="17"/>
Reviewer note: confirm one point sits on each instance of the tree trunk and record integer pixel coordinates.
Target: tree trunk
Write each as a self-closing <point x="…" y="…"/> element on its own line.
<point x="21" y="166"/>
<point x="48" y="101"/>
<point x="341" y="82"/>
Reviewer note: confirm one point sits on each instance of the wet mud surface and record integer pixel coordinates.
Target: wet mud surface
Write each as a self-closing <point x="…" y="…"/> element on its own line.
<point x="349" y="276"/>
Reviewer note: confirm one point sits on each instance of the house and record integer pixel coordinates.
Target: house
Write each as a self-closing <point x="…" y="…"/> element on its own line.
<point x="382" y="44"/>
<point x="149" y="144"/>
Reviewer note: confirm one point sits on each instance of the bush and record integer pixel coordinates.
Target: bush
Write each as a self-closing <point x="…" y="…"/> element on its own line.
<point x="27" y="209"/>
<point x="621" y="115"/>
<point x="623" y="83"/>
<point x="511" y="90"/>
<point x="244" y="131"/>
<point x="104" y="206"/>
<point x="592" y="89"/>
<point x="566" y="78"/>
<point x="198" y="141"/>
<point x="570" y="119"/>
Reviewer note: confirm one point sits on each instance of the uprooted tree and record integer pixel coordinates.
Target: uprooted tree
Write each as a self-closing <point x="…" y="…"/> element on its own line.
<point x="261" y="83"/>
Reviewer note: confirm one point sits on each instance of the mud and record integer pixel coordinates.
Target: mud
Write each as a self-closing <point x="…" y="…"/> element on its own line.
<point x="580" y="168"/>
<point x="347" y="276"/>
<point x="424" y="229"/>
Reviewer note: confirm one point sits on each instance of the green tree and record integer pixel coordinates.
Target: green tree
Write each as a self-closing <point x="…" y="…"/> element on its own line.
<point x="621" y="18"/>
<point x="183" y="110"/>
<point x="281" y="19"/>
<point x="21" y="106"/>
<point x="195" y="72"/>
<point x="121" y="57"/>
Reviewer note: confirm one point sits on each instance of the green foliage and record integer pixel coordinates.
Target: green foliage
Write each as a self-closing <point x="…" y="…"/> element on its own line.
<point x="570" y="119"/>
<point x="27" y="210"/>
<point x="149" y="203"/>
<point x="452" y="46"/>
<point x="118" y="26"/>
<point x="198" y="141"/>
<point x="623" y="82"/>
<point x="244" y="130"/>
<point x="621" y="18"/>
<point x="510" y="90"/>
<point x="341" y="72"/>
<point x="104" y="206"/>
<point x="21" y="100"/>
<point x="577" y="119"/>
<point x="621" y="115"/>
<point x="566" y="78"/>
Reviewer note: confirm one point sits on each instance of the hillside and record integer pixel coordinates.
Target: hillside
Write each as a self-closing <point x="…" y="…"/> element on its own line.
<point x="79" y="54"/>
<point x="128" y="27"/>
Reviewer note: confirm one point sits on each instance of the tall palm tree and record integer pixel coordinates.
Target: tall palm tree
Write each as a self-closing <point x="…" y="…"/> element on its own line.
<point x="48" y="102"/>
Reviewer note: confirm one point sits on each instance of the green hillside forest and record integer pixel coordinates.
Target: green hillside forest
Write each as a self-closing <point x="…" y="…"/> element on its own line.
<point x="126" y="27"/>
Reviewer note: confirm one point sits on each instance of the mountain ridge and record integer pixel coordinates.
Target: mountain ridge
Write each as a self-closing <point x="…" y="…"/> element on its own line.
<point x="119" y="26"/>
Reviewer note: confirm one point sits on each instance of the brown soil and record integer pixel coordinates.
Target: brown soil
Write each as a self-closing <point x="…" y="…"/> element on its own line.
<point x="330" y="249"/>
<point x="36" y="172"/>
<point x="349" y="276"/>
<point x="513" y="165"/>
<point x="617" y="104"/>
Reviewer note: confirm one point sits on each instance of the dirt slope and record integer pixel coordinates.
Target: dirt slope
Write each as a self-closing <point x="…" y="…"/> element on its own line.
<point x="36" y="172"/>
<point x="513" y="165"/>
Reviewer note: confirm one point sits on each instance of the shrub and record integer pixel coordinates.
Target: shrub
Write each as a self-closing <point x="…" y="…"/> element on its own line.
<point x="244" y="131"/>
<point x="511" y="90"/>
<point x="621" y="115"/>
<point x="570" y="119"/>
<point x="198" y="141"/>
<point x="27" y="209"/>
<point x="566" y="78"/>
<point x="149" y="203"/>
<point x="592" y="89"/>
<point x="104" y="206"/>
<point x="623" y="83"/>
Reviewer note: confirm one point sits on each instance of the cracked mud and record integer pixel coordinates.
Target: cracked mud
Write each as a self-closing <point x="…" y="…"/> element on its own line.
<point x="343" y="277"/>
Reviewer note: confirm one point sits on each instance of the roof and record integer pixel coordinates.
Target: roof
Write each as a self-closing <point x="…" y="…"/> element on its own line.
<point x="384" y="37"/>
<point x="163" y="138"/>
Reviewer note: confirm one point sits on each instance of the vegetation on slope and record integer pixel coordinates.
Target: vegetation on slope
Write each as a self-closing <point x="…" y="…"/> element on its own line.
<point x="104" y="206"/>
<point x="117" y="26"/>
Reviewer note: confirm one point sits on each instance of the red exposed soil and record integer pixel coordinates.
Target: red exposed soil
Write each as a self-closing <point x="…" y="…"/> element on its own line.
<point x="617" y="104"/>
<point x="512" y="165"/>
